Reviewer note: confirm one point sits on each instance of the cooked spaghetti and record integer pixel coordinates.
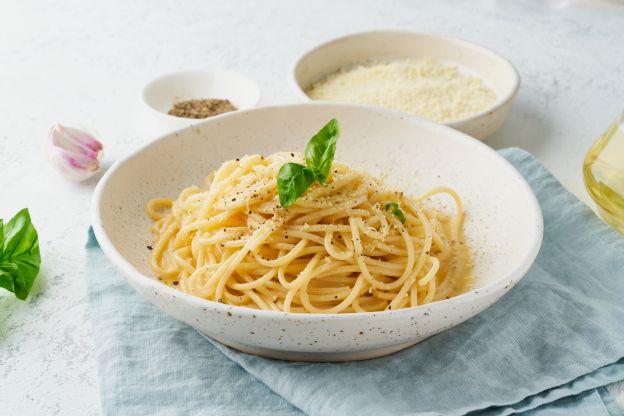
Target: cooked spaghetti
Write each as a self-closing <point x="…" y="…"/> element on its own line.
<point x="337" y="249"/>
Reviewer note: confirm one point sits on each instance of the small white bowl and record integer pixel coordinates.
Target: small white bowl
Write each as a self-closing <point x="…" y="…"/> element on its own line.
<point x="163" y="92"/>
<point x="503" y="222"/>
<point x="496" y="72"/>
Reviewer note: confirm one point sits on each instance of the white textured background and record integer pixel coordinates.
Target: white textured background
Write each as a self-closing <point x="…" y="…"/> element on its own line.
<point x="83" y="64"/>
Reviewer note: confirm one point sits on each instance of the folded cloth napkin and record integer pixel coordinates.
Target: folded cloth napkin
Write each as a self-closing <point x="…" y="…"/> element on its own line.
<point x="546" y="348"/>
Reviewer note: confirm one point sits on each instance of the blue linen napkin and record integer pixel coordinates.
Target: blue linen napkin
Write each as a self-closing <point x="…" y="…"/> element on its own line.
<point x="547" y="348"/>
<point x="150" y="364"/>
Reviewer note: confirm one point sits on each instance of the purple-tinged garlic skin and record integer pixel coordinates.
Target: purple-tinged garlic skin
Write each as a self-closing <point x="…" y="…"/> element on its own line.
<point x="75" y="153"/>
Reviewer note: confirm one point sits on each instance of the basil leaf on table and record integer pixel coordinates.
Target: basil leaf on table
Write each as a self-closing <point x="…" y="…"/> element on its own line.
<point x="293" y="180"/>
<point x="19" y="254"/>
<point x="321" y="149"/>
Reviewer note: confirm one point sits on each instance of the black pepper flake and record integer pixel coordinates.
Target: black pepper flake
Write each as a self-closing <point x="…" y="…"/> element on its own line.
<point x="150" y="247"/>
<point x="176" y="282"/>
<point x="233" y="199"/>
<point x="292" y="155"/>
<point x="229" y="313"/>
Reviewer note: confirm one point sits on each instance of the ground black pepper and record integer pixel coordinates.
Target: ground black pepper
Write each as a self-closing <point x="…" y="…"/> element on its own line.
<point x="201" y="108"/>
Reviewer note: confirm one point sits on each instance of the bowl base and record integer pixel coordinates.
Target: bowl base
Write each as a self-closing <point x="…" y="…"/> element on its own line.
<point x="313" y="356"/>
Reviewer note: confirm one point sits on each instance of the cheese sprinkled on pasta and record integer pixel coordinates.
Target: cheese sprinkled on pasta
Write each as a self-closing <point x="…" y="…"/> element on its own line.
<point x="337" y="249"/>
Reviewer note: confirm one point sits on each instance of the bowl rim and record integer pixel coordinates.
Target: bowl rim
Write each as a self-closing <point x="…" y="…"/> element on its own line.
<point x="184" y="72"/>
<point x="500" y="101"/>
<point x="136" y="277"/>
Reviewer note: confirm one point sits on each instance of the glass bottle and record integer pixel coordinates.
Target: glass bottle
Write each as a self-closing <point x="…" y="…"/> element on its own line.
<point x="603" y="171"/>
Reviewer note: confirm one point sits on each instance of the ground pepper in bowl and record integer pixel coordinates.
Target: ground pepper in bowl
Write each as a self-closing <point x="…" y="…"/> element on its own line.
<point x="201" y="108"/>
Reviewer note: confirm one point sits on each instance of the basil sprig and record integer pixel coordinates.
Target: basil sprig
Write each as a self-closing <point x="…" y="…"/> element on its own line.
<point x="294" y="179"/>
<point x="394" y="207"/>
<point x="19" y="254"/>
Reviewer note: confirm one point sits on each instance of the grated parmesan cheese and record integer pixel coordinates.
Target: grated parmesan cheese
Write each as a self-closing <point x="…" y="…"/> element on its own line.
<point x="422" y="87"/>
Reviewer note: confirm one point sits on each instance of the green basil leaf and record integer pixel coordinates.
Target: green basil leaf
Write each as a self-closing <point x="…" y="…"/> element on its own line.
<point x="1" y="235"/>
<point x="394" y="207"/>
<point x="293" y="180"/>
<point x="320" y="150"/>
<point x="6" y="281"/>
<point x="20" y="258"/>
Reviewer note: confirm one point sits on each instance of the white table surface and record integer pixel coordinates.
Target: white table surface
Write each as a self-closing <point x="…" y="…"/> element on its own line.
<point x="83" y="64"/>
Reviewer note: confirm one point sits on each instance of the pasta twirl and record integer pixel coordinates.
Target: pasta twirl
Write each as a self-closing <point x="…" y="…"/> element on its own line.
<point x="337" y="249"/>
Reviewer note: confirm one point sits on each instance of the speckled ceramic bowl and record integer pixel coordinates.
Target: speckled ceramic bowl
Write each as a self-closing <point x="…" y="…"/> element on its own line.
<point x="503" y="222"/>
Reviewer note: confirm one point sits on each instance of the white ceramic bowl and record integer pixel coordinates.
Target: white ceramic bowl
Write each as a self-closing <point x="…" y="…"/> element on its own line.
<point x="497" y="72"/>
<point x="503" y="221"/>
<point x="163" y="92"/>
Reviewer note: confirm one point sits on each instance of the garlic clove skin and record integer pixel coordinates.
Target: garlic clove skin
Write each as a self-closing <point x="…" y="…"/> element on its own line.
<point x="75" y="153"/>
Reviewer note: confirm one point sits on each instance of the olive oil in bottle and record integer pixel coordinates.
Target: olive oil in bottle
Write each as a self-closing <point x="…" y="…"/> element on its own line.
<point x="603" y="171"/>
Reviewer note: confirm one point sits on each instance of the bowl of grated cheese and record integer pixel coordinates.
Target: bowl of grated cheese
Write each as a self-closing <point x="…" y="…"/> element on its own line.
<point x="445" y="80"/>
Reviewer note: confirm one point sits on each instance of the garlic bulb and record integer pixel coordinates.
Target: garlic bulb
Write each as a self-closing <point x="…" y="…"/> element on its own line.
<point x="74" y="152"/>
